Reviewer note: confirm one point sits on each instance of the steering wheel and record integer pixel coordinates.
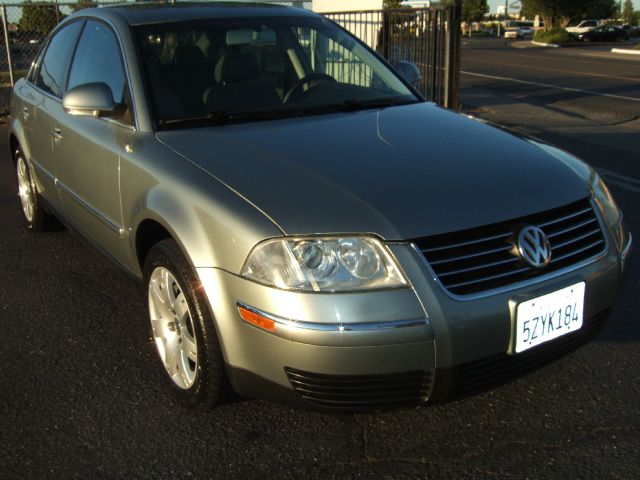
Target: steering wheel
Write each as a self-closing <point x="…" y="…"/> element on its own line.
<point x="311" y="81"/>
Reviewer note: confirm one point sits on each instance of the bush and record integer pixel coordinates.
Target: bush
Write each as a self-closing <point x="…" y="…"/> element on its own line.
<point x="555" y="35"/>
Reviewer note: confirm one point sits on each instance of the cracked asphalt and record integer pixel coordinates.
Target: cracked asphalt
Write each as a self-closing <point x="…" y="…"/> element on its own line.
<point x="82" y="395"/>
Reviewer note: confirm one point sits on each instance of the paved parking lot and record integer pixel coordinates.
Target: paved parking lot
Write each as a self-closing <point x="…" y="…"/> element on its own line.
<point x="82" y="396"/>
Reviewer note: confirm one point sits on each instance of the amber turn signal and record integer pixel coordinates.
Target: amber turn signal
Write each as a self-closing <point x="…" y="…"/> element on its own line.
<point x="257" y="319"/>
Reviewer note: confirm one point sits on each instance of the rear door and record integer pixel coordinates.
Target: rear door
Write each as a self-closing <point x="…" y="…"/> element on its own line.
<point x="89" y="150"/>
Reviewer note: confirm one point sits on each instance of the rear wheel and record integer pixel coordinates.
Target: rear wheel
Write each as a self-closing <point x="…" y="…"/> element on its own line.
<point x="32" y="207"/>
<point x="182" y="327"/>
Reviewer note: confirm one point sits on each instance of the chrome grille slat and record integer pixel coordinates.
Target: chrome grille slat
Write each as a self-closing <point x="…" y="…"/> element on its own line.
<point x="494" y="277"/>
<point x="577" y="239"/>
<point x="572" y="228"/>
<point x="576" y="252"/>
<point x="479" y="267"/>
<point x="568" y="217"/>
<point x="479" y="260"/>
<point x="473" y="255"/>
<point x="464" y="244"/>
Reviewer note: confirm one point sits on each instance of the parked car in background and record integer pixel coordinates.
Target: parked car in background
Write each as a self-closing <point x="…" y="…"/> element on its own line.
<point x="584" y="26"/>
<point x="605" y="33"/>
<point x="519" y="29"/>
<point x="307" y="228"/>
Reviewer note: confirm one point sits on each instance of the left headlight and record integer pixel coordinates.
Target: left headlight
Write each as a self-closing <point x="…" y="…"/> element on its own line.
<point x="328" y="264"/>
<point x="609" y="209"/>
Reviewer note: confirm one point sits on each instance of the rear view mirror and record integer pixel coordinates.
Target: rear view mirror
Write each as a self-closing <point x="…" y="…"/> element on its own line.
<point x="91" y="99"/>
<point x="409" y="71"/>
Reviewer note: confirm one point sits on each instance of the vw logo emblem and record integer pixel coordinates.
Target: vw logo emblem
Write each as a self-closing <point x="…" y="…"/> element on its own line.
<point x="534" y="246"/>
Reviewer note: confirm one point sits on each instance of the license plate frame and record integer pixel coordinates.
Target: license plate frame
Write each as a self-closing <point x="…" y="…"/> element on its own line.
<point x="547" y="317"/>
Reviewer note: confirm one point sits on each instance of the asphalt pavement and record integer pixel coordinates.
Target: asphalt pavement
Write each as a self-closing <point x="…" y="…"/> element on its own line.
<point x="83" y="396"/>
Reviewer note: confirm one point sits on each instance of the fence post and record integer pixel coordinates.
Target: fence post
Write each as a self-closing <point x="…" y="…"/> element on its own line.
<point x="452" y="64"/>
<point x="7" y="44"/>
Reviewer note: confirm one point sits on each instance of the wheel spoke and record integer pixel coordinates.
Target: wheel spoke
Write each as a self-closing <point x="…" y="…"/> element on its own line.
<point x="189" y="347"/>
<point x="171" y="358"/>
<point x="180" y="306"/>
<point x="157" y="325"/>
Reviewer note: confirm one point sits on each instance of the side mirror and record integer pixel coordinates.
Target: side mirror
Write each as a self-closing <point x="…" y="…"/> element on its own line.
<point x="409" y="71"/>
<point x="91" y="99"/>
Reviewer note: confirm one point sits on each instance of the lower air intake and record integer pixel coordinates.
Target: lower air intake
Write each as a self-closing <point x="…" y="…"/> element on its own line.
<point x="362" y="392"/>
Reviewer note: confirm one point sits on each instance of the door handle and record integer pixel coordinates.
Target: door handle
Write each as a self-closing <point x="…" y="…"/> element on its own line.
<point x="56" y="134"/>
<point x="25" y="112"/>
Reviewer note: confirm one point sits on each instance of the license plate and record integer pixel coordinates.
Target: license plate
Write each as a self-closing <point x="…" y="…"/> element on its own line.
<point x="550" y="316"/>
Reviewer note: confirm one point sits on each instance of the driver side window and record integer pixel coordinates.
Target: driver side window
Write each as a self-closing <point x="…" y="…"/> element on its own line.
<point x="98" y="59"/>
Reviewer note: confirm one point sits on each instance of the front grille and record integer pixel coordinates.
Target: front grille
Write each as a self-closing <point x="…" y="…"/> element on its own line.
<point x="485" y="258"/>
<point x="358" y="392"/>
<point x="480" y="375"/>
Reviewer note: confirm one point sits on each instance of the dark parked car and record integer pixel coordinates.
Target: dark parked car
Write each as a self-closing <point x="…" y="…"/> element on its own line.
<point x="307" y="227"/>
<point x="606" y="33"/>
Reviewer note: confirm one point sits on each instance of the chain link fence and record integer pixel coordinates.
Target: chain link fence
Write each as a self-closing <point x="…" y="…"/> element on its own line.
<point x="427" y="37"/>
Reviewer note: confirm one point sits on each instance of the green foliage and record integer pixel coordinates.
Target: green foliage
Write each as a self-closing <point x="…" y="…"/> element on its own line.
<point x="472" y="10"/>
<point x="554" y="35"/>
<point x="82" y="4"/>
<point x="391" y="4"/>
<point x="627" y="12"/>
<point x="39" y="17"/>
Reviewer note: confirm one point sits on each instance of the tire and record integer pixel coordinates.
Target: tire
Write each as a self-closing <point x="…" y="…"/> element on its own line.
<point x="32" y="207"/>
<point x="182" y="328"/>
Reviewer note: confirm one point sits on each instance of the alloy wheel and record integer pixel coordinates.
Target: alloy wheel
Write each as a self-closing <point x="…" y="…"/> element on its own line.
<point x="25" y="189"/>
<point x="173" y="328"/>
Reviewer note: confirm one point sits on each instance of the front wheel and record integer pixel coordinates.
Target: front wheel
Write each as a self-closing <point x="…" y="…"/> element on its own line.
<point x="182" y="328"/>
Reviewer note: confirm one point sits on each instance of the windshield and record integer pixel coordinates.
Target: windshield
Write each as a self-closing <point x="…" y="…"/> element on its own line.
<point x="246" y="69"/>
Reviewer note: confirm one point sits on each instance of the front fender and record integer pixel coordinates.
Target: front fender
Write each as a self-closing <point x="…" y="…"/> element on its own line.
<point x="214" y="226"/>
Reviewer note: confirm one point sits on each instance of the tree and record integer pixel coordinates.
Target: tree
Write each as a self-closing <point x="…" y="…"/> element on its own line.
<point x="39" y="17"/>
<point x="391" y="4"/>
<point x="474" y="10"/>
<point x="627" y="12"/>
<point x="82" y="4"/>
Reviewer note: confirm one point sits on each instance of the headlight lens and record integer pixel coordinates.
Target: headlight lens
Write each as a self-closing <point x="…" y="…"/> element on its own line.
<point x="605" y="202"/>
<point x="609" y="209"/>
<point x="324" y="264"/>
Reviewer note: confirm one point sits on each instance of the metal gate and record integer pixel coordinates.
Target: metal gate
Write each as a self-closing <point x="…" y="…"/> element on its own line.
<point x="428" y="37"/>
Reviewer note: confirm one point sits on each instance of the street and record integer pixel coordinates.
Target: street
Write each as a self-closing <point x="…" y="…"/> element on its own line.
<point x="82" y="394"/>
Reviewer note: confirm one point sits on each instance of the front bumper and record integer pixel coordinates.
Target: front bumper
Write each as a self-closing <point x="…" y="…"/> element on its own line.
<point x="386" y="348"/>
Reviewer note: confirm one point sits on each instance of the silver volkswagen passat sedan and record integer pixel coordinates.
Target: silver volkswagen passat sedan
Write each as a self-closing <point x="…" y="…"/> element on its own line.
<point x="307" y="227"/>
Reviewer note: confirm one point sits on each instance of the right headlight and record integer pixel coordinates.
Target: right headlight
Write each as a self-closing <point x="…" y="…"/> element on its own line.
<point x="324" y="264"/>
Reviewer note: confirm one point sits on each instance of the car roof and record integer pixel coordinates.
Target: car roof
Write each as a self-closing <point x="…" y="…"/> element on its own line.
<point x="150" y="13"/>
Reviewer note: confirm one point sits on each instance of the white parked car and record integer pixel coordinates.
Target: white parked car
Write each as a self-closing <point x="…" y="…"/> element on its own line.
<point x="584" y="26"/>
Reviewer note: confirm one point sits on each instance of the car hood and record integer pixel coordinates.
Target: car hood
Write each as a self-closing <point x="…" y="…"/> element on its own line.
<point x="402" y="172"/>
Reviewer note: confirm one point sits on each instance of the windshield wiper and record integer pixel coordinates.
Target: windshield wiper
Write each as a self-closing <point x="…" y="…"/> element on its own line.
<point x="353" y="105"/>
<point x="219" y="118"/>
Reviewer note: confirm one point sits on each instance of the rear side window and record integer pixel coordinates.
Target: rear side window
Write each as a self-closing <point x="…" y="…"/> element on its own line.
<point x="55" y="63"/>
<point x="97" y="59"/>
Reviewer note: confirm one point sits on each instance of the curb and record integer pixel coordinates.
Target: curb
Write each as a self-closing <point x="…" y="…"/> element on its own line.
<point x="548" y="45"/>
<point x="625" y="51"/>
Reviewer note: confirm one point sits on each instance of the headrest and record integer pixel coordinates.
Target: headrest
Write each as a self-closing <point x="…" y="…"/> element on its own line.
<point x="189" y="55"/>
<point x="236" y="67"/>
